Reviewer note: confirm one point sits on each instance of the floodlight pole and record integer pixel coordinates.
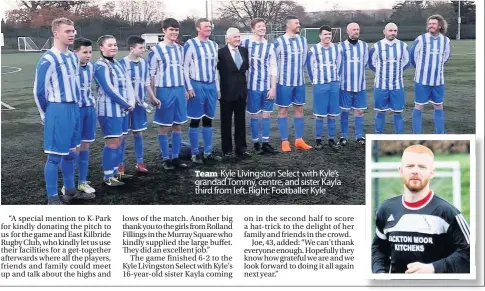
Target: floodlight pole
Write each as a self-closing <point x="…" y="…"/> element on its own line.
<point x="458" y="35"/>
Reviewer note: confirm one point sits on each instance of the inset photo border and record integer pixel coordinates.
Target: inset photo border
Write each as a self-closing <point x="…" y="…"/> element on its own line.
<point x="417" y="203"/>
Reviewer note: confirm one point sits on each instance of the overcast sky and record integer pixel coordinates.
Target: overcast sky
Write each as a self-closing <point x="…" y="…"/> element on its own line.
<point x="182" y="8"/>
<point x="197" y="7"/>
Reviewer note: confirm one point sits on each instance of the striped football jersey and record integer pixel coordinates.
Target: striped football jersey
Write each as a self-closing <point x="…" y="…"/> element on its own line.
<point x="200" y="61"/>
<point x="115" y="92"/>
<point x="354" y="62"/>
<point x="323" y="63"/>
<point x="429" y="55"/>
<point x="262" y="64"/>
<point x="86" y="78"/>
<point x="166" y="65"/>
<point x="56" y="79"/>
<point x="389" y="59"/>
<point x="291" y="55"/>
<point x="139" y="73"/>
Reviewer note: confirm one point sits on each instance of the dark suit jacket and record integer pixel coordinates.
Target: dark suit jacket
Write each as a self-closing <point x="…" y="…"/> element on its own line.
<point x="233" y="83"/>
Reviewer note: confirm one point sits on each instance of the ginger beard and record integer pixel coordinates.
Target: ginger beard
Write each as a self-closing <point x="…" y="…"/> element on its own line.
<point x="416" y="170"/>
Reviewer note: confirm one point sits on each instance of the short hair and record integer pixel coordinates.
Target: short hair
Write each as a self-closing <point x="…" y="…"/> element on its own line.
<point x="419" y="149"/>
<point x="200" y="20"/>
<point x="442" y="22"/>
<point x="79" y="42"/>
<point x="58" y="21"/>
<point x="231" y="30"/>
<point x="256" y="21"/>
<point x="103" y="38"/>
<point x="325" y="27"/>
<point x="134" y="40"/>
<point x="170" y="22"/>
<point x="290" y="17"/>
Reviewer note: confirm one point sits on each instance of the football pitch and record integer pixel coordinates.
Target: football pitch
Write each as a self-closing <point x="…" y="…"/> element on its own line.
<point x="23" y="158"/>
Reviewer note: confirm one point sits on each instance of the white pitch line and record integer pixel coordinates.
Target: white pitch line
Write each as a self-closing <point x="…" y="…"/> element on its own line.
<point x="7" y="106"/>
<point x="16" y="70"/>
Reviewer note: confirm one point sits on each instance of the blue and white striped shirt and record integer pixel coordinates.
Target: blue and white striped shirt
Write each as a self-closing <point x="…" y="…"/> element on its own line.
<point x="389" y="59"/>
<point x="323" y="63"/>
<point x="354" y="61"/>
<point x="139" y="73"/>
<point x="262" y="64"/>
<point x="166" y="65"/>
<point x="291" y="54"/>
<point x="115" y="92"/>
<point x="56" y="79"/>
<point x="200" y="61"/>
<point x="86" y="77"/>
<point x="428" y="56"/>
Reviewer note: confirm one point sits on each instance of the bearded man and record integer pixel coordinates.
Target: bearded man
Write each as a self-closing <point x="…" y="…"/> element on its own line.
<point x="419" y="232"/>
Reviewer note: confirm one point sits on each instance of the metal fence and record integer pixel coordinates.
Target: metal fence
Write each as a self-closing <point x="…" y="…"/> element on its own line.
<point x="368" y="33"/>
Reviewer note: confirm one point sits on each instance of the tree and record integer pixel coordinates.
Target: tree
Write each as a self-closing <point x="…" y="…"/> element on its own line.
<point x="74" y="6"/>
<point x="92" y="11"/>
<point x="468" y="11"/>
<point x="408" y="13"/>
<point x="241" y="12"/>
<point x="148" y="11"/>
<point x="18" y="17"/>
<point x="45" y="15"/>
<point x="445" y="9"/>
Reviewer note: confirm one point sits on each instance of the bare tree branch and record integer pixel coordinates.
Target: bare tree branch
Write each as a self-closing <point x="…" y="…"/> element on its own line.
<point x="141" y="10"/>
<point x="272" y="11"/>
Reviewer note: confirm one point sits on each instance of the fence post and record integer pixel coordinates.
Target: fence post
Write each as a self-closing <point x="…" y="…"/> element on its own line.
<point x="375" y="181"/>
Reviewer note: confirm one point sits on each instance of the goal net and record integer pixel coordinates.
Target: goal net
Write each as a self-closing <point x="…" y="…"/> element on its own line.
<point x="48" y="44"/>
<point x="26" y="44"/>
<point x="446" y="181"/>
<point x="312" y="35"/>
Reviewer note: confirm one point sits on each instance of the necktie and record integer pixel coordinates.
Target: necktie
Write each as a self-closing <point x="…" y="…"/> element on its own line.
<point x="237" y="58"/>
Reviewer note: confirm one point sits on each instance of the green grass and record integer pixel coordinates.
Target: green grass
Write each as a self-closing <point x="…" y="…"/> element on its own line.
<point x="459" y="76"/>
<point x="22" y="133"/>
<point x="390" y="187"/>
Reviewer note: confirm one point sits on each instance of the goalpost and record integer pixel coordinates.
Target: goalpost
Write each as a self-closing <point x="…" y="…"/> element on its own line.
<point x="26" y="44"/>
<point x="448" y="169"/>
<point x="48" y="44"/>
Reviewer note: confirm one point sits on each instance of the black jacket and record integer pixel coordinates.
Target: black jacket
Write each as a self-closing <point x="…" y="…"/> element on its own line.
<point x="435" y="233"/>
<point x="233" y="83"/>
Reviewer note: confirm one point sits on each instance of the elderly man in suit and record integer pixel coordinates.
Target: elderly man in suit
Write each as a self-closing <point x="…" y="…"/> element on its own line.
<point x="233" y="62"/>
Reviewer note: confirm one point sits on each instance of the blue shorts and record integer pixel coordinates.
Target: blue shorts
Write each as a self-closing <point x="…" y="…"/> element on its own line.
<point x="326" y="99"/>
<point x="112" y="126"/>
<point x="353" y="100"/>
<point x="125" y="126"/>
<point x="287" y="95"/>
<point x="204" y="102"/>
<point x="61" y="128"/>
<point x="87" y="123"/>
<point x="138" y="119"/>
<point x="258" y="101"/>
<point x="424" y="94"/>
<point x="389" y="99"/>
<point x="173" y="107"/>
